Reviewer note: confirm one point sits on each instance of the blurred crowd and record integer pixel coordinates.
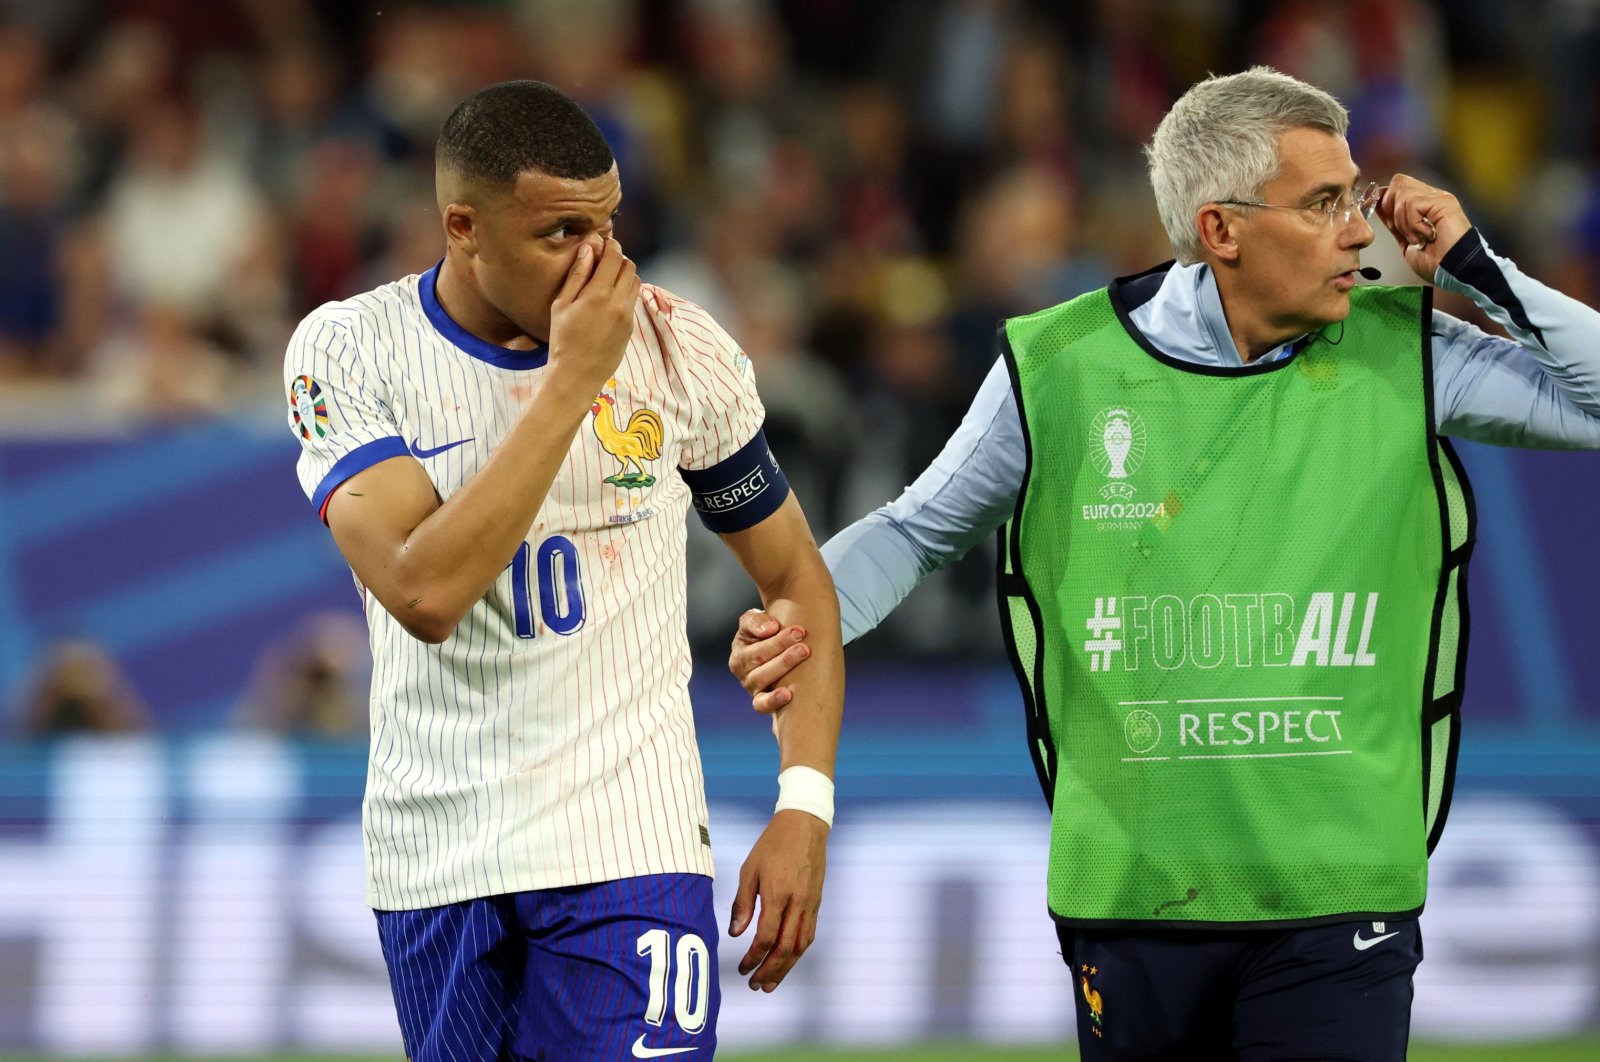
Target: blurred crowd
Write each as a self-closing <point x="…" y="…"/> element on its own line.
<point x="858" y="191"/>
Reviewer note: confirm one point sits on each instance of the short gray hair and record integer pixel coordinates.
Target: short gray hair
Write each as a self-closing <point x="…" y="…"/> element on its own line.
<point x="1220" y="141"/>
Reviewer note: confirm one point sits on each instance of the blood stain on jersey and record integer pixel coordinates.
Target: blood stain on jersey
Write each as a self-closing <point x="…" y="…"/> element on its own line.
<point x="633" y="445"/>
<point x="308" y="407"/>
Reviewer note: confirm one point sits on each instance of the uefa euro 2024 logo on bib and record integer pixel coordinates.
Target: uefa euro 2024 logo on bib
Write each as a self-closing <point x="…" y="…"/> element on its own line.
<point x="1117" y="439"/>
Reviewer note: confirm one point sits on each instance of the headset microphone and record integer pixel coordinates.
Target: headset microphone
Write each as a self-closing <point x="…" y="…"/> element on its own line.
<point x="1369" y="273"/>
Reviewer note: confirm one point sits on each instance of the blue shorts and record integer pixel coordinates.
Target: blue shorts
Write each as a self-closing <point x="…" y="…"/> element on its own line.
<point x="1339" y="992"/>
<point x="615" y="970"/>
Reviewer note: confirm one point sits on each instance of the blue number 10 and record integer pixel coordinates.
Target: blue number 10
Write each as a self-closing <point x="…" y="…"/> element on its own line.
<point x="560" y="587"/>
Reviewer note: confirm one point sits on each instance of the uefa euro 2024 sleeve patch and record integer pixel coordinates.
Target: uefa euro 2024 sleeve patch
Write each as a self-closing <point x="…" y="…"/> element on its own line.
<point x="309" y="408"/>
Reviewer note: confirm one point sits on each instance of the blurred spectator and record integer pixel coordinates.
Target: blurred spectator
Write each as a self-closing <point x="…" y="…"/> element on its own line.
<point x="129" y="70"/>
<point x="425" y="59"/>
<point x="968" y="52"/>
<point x="1034" y="112"/>
<point x="335" y="224"/>
<point x="313" y="682"/>
<point x="733" y="236"/>
<point x="196" y="283"/>
<point x="1017" y="251"/>
<point x="1128" y="80"/>
<point x="80" y="689"/>
<point x="1383" y="58"/>
<point x="744" y="93"/>
<point x="24" y="65"/>
<point x="36" y="252"/>
<point x="872" y="202"/>
<point x="909" y="400"/>
<point x="811" y="415"/>
<point x="298" y="107"/>
<point x="186" y="229"/>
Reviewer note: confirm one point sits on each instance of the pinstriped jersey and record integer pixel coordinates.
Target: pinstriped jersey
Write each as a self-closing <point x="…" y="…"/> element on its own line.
<point x="549" y="740"/>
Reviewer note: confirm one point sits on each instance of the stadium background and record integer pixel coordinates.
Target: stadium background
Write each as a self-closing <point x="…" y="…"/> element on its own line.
<point x="857" y="191"/>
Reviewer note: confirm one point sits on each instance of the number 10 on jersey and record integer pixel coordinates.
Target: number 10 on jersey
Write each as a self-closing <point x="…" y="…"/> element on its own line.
<point x="555" y="565"/>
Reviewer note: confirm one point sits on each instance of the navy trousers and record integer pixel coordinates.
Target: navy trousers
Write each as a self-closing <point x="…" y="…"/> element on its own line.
<point x="1339" y="992"/>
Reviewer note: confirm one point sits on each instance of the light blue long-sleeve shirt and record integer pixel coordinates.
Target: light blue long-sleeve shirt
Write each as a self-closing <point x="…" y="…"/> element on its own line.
<point x="1541" y="391"/>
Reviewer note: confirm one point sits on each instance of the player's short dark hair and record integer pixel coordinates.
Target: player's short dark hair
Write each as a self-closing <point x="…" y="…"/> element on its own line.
<point x="503" y="130"/>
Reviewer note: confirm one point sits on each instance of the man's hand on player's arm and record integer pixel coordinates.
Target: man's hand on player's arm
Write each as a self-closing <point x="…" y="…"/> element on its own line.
<point x="780" y="884"/>
<point x="429" y="562"/>
<point x="763" y="653"/>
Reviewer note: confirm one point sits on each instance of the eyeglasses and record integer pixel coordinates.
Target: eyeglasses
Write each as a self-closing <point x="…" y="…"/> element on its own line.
<point x="1344" y="208"/>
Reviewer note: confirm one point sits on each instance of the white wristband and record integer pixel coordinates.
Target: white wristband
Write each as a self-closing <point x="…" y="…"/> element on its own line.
<point x="806" y="789"/>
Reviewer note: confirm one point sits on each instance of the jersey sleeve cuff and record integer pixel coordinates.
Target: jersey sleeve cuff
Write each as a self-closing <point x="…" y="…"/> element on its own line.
<point x="1471" y="265"/>
<point x="739" y="492"/>
<point x="358" y="460"/>
<point x="1455" y="262"/>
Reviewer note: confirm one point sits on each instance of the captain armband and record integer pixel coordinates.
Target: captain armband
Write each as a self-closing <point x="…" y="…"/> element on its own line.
<point x="739" y="492"/>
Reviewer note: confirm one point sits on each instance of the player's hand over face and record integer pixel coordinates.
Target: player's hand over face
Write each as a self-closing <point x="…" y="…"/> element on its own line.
<point x="592" y="316"/>
<point x="1426" y="222"/>
<point x="764" y="651"/>
<point x="783" y="873"/>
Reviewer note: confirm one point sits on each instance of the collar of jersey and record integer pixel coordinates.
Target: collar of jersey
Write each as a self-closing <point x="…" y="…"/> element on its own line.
<point x="481" y="349"/>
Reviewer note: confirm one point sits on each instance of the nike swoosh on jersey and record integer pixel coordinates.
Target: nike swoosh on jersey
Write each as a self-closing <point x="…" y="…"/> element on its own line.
<point x="1363" y="943"/>
<point x="641" y="1051"/>
<point x="418" y="451"/>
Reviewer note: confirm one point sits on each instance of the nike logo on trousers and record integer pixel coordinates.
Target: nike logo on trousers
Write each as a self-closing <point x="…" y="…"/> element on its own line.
<point x="1363" y="943"/>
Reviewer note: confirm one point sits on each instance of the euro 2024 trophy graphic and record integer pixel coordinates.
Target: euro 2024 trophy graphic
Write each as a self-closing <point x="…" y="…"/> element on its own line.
<point x="1117" y="436"/>
<point x="1116" y="449"/>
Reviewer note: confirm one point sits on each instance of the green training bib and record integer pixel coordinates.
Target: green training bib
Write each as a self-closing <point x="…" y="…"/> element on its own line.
<point x="1234" y="601"/>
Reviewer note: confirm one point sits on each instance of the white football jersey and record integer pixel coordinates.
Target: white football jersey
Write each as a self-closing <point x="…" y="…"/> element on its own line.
<point x="549" y="741"/>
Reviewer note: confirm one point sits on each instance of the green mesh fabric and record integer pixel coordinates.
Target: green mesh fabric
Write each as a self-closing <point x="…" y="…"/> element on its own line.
<point x="1444" y="671"/>
<point x="1024" y="644"/>
<point x="1439" y="770"/>
<point x="1231" y="672"/>
<point x="1026" y="637"/>
<point x="1456" y="502"/>
<point x="1451" y="639"/>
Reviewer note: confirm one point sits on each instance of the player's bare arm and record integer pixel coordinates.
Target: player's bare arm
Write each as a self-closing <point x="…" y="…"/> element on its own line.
<point x="784" y="871"/>
<point x="427" y="562"/>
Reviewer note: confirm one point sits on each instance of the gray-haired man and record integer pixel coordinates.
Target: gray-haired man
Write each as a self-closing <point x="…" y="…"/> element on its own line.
<point x="1232" y="577"/>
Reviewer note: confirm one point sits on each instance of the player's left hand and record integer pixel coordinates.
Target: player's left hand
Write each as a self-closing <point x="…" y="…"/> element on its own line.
<point x="1426" y="222"/>
<point x="784" y="871"/>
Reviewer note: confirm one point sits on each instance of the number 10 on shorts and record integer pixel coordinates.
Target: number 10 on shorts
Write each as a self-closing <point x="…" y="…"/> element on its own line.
<point x="691" y="991"/>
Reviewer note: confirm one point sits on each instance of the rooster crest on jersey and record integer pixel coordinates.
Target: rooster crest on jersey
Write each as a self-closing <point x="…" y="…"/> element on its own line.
<point x="633" y="445"/>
